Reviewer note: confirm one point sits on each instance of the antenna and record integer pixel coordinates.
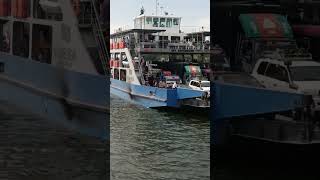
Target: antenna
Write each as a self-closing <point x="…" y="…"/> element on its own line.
<point x="157" y="4"/>
<point x="142" y="11"/>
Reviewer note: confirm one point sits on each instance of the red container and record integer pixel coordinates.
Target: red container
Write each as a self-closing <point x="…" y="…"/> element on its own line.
<point x="167" y="73"/>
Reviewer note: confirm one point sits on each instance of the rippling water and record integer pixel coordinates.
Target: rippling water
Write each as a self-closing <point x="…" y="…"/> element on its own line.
<point x="154" y="144"/>
<point x="33" y="148"/>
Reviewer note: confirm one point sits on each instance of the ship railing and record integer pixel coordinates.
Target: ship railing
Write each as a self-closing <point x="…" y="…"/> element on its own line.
<point x="166" y="44"/>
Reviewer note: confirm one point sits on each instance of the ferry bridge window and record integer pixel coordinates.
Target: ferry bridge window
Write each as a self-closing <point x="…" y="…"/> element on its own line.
<point x="116" y="74"/>
<point x="20" y="42"/>
<point x="48" y="9"/>
<point x="162" y="22"/>
<point x="187" y="57"/>
<point x="151" y="37"/>
<point x="176" y="57"/>
<point x="42" y="43"/>
<point x="123" y="75"/>
<point x="5" y="36"/>
<point x="175" y="38"/>
<point x="175" y="21"/>
<point x="149" y="20"/>
<point x="169" y="22"/>
<point x="155" y="22"/>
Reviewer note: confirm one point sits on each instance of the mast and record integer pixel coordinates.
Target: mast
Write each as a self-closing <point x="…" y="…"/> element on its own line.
<point x="157" y="3"/>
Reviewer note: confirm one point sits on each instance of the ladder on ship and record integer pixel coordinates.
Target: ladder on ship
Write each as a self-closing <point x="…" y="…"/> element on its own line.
<point x="99" y="37"/>
<point x="89" y="19"/>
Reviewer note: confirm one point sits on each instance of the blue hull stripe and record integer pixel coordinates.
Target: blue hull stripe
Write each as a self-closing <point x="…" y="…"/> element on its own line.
<point x="149" y="96"/>
<point x="78" y="100"/>
<point x="139" y="95"/>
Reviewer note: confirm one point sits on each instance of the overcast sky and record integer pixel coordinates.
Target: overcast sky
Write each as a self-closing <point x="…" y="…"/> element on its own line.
<point x="194" y="13"/>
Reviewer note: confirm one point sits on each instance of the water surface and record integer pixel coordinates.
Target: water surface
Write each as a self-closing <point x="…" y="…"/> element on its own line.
<point x="37" y="149"/>
<point x="156" y="144"/>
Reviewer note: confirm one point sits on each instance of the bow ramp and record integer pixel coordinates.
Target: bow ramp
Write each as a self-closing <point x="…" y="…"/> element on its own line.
<point x="262" y="114"/>
<point x="185" y="93"/>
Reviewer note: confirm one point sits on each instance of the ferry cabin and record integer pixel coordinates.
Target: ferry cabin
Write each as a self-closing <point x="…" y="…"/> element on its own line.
<point x="171" y="25"/>
<point x="132" y="49"/>
<point x="52" y="32"/>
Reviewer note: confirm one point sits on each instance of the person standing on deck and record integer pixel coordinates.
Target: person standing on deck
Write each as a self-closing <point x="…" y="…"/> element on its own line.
<point x="174" y="85"/>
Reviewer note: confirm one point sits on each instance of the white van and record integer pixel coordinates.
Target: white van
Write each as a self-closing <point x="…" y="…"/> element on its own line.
<point x="200" y="85"/>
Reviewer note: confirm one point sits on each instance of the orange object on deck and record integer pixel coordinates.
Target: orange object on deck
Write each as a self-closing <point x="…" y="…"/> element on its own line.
<point x="121" y="45"/>
<point x="5" y="7"/>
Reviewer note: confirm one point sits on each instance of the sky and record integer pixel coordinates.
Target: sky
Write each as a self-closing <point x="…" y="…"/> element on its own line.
<point x="194" y="13"/>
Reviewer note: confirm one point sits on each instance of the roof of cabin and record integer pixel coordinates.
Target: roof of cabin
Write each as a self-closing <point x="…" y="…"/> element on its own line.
<point x="148" y="31"/>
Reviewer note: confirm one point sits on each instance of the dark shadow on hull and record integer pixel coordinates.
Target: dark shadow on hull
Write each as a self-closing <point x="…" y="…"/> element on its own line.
<point x="188" y="111"/>
<point x="254" y="159"/>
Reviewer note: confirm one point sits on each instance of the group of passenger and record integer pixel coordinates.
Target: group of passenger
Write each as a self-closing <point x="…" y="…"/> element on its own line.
<point x="160" y="83"/>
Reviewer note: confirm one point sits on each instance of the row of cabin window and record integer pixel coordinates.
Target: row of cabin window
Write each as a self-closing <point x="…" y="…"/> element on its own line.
<point x="118" y="56"/>
<point x="41" y="42"/>
<point x="122" y="75"/>
<point x="37" y="11"/>
<point x="164" y="22"/>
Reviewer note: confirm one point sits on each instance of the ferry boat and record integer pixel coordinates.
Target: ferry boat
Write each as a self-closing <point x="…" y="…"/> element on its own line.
<point x="50" y="63"/>
<point x="153" y="63"/>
